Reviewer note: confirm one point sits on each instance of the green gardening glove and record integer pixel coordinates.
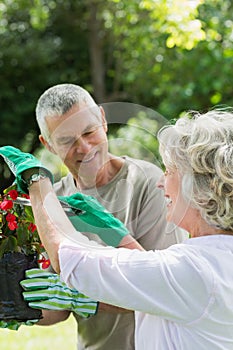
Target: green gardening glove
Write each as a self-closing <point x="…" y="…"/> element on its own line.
<point x="44" y="290"/>
<point x="88" y="215"/>
<point x="14" y="324"/>
<point x="18" y="162"/>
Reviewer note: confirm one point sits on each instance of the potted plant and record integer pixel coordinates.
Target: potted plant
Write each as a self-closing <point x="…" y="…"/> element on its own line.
<point x="20" y="250"/>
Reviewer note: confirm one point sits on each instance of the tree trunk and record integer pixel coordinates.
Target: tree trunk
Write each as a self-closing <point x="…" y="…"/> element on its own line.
<point x="96" y="51"/>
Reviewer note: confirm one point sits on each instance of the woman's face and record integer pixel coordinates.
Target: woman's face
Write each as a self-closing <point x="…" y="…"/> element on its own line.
<point x="178" y="209"/>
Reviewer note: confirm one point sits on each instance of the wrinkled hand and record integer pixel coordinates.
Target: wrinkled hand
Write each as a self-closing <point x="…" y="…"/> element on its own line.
<point x="18" y="162"/>
<point x="44" y="290"/>
<point x="14" y="324"/>
<point x="88" y="215"/>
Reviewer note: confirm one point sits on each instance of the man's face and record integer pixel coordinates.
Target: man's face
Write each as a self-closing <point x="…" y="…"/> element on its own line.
<point x="79" y="139"/>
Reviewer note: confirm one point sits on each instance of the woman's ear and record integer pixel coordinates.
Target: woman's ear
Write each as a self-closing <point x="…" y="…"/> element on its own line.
<point x="46" y="144"/>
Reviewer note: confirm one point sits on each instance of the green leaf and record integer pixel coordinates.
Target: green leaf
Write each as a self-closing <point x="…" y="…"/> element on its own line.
<point x="8" y="245"/>
<point x="2" y="248"/>
<point x="12" y="243"/>
<point x="28" y="214"/>
<point x="23" y="236"/>
<point x="12" y="187"/>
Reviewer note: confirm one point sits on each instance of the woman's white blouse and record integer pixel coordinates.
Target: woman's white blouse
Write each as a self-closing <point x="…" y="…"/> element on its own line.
<point x="183" y="295"/>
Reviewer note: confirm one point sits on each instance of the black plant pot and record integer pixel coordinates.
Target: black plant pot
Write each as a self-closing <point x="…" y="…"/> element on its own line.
<point x="12" y="271"/>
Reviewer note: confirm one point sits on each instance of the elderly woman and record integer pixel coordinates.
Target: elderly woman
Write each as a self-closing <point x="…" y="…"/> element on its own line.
<point x="183" y="295"/>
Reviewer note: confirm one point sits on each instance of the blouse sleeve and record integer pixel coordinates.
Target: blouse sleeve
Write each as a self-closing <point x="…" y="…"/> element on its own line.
<point x="166" y="283"/>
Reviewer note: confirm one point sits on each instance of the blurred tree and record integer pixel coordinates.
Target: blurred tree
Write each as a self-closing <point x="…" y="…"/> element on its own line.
<point x="137" y="139"/>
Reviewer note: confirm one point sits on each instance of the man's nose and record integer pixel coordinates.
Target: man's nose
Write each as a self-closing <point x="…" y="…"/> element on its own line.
<point x="160" y="182"/>
<point x="82" y="145"/>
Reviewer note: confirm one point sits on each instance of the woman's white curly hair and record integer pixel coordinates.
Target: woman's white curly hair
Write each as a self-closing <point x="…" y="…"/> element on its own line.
<point x="200" y="146"/>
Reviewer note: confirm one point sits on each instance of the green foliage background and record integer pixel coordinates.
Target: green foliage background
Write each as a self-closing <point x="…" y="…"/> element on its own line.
<point x="60" y="336"/>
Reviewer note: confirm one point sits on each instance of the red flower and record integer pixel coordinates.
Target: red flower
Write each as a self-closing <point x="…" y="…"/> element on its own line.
<point x="45" y="263"/>
<point x="6" y="204"/>
<point x="32" y="227"/>
<point x="13" y="194"/>
<point x="12" y="225"/>
<point x="10" y="217"/>
<point x="25" y="195"/>
<point x="16" y="221"/>
<point x="11" y="221"/>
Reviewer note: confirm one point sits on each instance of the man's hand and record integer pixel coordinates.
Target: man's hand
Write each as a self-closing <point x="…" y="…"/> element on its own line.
<point x="19" y="162"/>
<point x="88" y="215"/>
<point x="44" y="290"/>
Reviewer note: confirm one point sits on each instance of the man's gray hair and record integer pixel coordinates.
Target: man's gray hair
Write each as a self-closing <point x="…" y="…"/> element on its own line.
<point x="58" y="100"/>
<point x="200" y="147"/>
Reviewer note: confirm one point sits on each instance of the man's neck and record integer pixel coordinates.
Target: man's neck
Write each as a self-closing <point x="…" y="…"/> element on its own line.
<point x="104" y="175"/>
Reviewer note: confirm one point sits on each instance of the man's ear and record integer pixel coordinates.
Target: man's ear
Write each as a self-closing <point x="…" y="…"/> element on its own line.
<point x="105" y="125"/>
<point x="46" y="144"/>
